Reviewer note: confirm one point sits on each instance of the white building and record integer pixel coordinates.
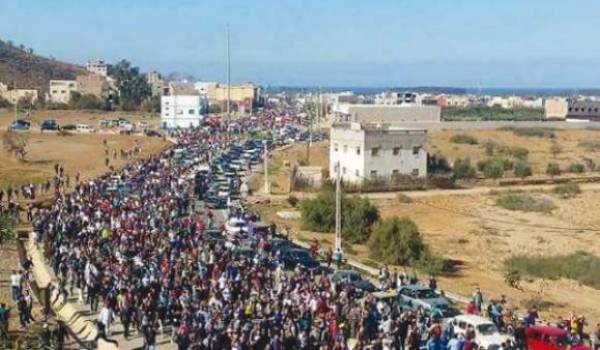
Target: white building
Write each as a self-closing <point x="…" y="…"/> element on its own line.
<point x="376" y="151"/>
<point x="60" y="90"/>
<point x="181" y="111"/>
<point x="97" y="66"/>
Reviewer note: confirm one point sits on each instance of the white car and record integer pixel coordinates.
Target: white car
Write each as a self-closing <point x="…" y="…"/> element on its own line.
<point x="84" y="128"/>
<point x="487" y="335"/>
<point x="234" y="226"/>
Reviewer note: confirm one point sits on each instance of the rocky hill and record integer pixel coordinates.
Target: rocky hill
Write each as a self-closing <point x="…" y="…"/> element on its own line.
<point x="21" y="67"/>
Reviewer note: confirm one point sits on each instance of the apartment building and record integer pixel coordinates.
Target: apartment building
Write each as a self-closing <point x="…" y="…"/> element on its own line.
<point x="376" y="151"/>
<point x="182" y="110"/>
<point x="15" y="95"/>
<point x="97" y="66"/>
<point x="60" y="90"/>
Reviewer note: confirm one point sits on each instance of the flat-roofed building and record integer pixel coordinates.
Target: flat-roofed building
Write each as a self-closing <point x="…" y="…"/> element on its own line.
<point x="376" y="151"/>
<point x="556" y="108"/>
<point x="60" y="90"/>
<point x="182" y="110"/>
<point x="15" y="95"/>
<point x="583" y="110"/>
<point x="365" y="113"/>
<point x="97" y="66"/>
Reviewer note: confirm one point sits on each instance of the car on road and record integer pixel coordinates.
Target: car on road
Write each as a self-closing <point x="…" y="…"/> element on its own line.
<point x="354" y="279"/>
<point x="550" y="338"/>
<point x="417" y="295"/>
<point x="49" y="124"/>
<point x="299" y="257"/>
<point x="153" y="133"/>
<point x="84" y="128"/>
<point x="487" y="335"/>
<point x="20" y="125"/>
<point x="69" y="127"/>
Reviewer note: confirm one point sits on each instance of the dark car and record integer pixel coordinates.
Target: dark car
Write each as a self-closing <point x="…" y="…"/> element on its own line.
<point x="153" y="133"/>
<point x="354" y="279"/>
<point x="299" y="257"/>
<point x="50" y="124"/>
<point x="20" y="125"/>
<point x="70" y="127"/>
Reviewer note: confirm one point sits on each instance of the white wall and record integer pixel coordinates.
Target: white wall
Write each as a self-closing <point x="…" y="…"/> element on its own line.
<point x="181" y="111"/>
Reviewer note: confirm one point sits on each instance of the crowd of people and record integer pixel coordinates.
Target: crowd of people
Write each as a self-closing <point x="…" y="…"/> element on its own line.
<point x="132" y="246"/>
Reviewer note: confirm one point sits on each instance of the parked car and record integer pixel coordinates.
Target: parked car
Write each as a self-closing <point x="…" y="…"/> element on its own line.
<point x="50" y="124"/>
<point x="417" y="295"/>
<point x="84" y="128"/>
<point x="69" y="127"/>
<point x="550" y="338"/>
<point x="487" y="335"/>
<point x="153" y="133"/>
<point x="299" y="257"/>
<point x="20" y="125"/>
<point x="354" y="279"/>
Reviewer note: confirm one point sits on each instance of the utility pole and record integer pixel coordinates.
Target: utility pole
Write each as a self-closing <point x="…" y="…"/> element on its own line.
<point x="338" y="209"/>
<point x="266" y="164"/>
<point x="228" y="80"/>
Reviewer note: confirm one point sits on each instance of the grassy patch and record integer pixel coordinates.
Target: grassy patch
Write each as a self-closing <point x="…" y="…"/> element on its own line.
<point x="464" y="139"/>
<point x="532" y="132"/>
<point x="567" y="190"/>
<point x="590" y="145"/>
<point x="524" y="202"/>
<point x="579" y="266"/>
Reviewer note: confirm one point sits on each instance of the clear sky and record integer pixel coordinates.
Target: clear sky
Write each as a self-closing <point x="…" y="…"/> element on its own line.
<point x="494" y="43"/>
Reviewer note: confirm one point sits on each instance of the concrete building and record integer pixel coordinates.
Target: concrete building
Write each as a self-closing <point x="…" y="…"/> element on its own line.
<point x="60" y="90"/>
<point x="376" y="151"/>
<point x="583" y="110"/>
<point x="182" y="111"/>
<point x="460" y="101"/>
<point x="365" y="113"/>
<point x="97" y="66"/>
<point x="15" y="95"/>
<point x="92" y="84"/>
<point x="556" y="108"/>
<point x="156" y="82"/>
<point x="243" y="97"/>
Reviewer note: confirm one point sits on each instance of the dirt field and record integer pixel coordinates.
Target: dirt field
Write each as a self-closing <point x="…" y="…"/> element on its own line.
<point x="472" y="231"/>
<point x="539" y="148"/>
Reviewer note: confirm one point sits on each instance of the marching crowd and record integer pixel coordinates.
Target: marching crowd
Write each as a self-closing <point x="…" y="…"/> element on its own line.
<point x="132" y="246"/>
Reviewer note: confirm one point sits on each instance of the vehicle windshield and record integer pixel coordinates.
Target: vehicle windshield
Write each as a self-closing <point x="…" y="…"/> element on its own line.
<point x="487" y="329"/>
<point x="300" y="254"/>
<point x="426" y="294"/>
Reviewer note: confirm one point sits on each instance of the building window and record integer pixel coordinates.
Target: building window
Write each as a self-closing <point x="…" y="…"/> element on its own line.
<point x="192" y="111"/>
<point x="375" y="152"/>
<point x="415" y="172"/>
<point x="345" y="148"/>
<point x="416" y="150"/>
<point x="396" y="151"/>
<point x="358" y="151"/>
<point x="395" y="172"/>
<point x="335" y="147"/>
<point x="373" y="174"/>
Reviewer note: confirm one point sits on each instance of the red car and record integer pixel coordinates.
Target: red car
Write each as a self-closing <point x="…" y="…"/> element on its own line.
<point x="550" y="338"/>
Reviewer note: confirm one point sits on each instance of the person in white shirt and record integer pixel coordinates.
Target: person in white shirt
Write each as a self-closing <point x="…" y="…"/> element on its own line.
<point x="106" y="317"/>
<point x="15" y="284"/>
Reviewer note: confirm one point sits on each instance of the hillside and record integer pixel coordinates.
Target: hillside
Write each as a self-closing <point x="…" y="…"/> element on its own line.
<point x="20" y="68"/>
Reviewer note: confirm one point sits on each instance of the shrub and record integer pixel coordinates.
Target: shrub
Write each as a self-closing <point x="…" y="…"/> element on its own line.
<point x="532" y="132"/>
<point x="402" y="198"/>
<point x="493" y="170"/>
<point x="555" y="148"/>
<point x="293" y="201"/>
<point x="490" y="146"/>
<point x="553" y="169"/>
<point x="431" y="264"/>
<point x="522" y="169"/>
<point x="464" y="138"/>
<point x="512" y="277"/>
<point x="524" y="202"/>
<point x="567" y="190"/>
<point x="579" y="266"/>
<point x="577" y="168"/>
<point x="358" y="215"/>
<point x="397" y="241"/>
<point x="463" y="169"/>
<point x="517" y="152"/>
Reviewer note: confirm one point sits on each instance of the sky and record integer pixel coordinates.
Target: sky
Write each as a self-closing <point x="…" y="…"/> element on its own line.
<point x="375" y="43"/>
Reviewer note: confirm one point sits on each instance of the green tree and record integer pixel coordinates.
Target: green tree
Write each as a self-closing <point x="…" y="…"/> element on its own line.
<point x="397" y="241"/>
<point x="358" y="217"/>
<point x="463" y="169"/>
<point x="133" y="87"/>
<point x="522" y="169"/>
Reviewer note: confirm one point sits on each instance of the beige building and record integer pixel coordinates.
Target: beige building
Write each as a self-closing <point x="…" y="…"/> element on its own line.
<point x="97" y="66"/>
<point x="15" y="95"/>
<point x="60" y="90"/>
<point x="243" y="96"/>
<point x="156" y="82"/>
<point x="92" y="84"/>
<point x="365" y="113"/>
<point x="556" y="108"/>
